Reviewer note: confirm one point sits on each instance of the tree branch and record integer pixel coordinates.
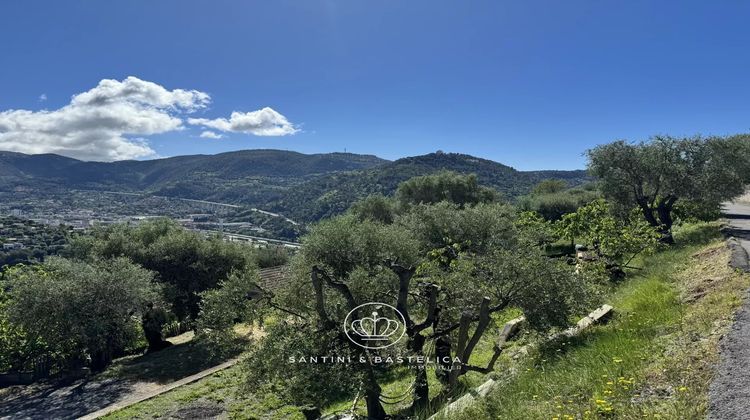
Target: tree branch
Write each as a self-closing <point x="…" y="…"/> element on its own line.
<point x="320" y="306"/>
<point x="339" y="287"/>
<point x="431" y="310"/>
<point x="268" y="296"/>
<point x="404" y="278"/>
<point x="499" y="307"/>
<point x="288" y="311"/>
<point x="484" y="321"/>
<point x="463" y="335"/>
<point x="509" y="330"/>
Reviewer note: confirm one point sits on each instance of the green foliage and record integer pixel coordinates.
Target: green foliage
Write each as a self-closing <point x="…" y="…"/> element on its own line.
<point x="477" y="229"/>
<point x="693" y="211"/>
<point x="344" y="243"/>
<point x="38" y="240"/>
<point x="465" y="253"/>
<point x="549" y="186"/>
<point x="270" y="257"/>
<point x="444" y="186"/>
<point x="545" y="289"/>
<point x="80" y="309"/>
<point x="375" y="207"/>
<point x="553" y="205"/>
<point x="612" y="238"/>
<point x="186" y="262"/>
<point x="298" y="383"/>
<point x="17" y="349"/>
<point x="654" y="175"/>
<point x="225" y="306"/>
<point x="535" y="229"/>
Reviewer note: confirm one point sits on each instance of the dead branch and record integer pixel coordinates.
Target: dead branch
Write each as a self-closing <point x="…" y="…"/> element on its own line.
<point x="509" y="330"/>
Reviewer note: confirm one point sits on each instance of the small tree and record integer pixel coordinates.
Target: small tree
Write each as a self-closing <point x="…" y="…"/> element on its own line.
<point x="444" y="186"/>
<point x="79" y="309"/>
<point x="225" y="306"/>
<point x="654" y="175"/>
<point x="375" y="207"/>
<point x="17" y="348"/>
<point x="616" y="240"/>
<point x="186" y="262"/>
<point x="549" y="186"/>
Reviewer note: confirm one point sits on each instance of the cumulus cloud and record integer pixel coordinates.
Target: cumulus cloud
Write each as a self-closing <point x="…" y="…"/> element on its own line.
<point x="211" y="135"/>
<point x="264" y="122"/>
<point x="105" y="123"/>
<point x="42" y="97"/>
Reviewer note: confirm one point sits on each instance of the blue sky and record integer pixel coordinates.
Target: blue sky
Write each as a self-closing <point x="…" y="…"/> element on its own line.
<point x="531" y="84"/>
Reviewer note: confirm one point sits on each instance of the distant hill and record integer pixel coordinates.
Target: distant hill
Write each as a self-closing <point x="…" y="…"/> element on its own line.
<point x="159" y="173"/>
<point x="303" y="187"/>
<point x="334" y="193"/>
<point x="243" y="176"/>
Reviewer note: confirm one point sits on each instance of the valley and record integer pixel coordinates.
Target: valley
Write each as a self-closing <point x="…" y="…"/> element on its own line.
<point x="266" y="193"/>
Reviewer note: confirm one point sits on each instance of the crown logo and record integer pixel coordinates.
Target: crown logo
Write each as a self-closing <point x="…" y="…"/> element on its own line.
<point x="375" y="328"/>
<point x="384" y="327"/>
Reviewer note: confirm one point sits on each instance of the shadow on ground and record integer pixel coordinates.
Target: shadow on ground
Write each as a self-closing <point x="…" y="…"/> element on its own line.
<point x="168" y="365"/>
<point x="55" y="400"/>
<point x="126" y="377"/>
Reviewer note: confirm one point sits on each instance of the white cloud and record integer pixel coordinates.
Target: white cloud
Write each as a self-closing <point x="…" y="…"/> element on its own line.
<point x="211" y="135"/>
<point x="264" y="122"/>
<point x="104" y="123"/>
<point x="42" y="97"/>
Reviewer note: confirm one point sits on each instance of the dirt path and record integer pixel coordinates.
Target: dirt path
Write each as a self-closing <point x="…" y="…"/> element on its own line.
<point x="87" y="399"/>
<point x="57" y="400"/>
<point x="128" y="381"/>
<point x="729" y="395"/>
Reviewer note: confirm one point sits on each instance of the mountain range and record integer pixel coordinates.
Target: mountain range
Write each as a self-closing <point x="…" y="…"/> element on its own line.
<point x="303" y="187"/>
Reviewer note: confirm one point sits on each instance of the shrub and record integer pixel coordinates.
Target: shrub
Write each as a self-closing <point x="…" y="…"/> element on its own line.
<point x="222" y="308"/>
<point x="554" y="205"/>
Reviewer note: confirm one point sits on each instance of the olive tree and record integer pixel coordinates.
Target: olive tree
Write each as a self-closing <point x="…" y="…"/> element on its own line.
<point x="80" y="310"/>
<point x="615" y="240"/>
<point x="478" y="261"/>
<point x="444" y="186"/>
<point x="653" y="176"/>
<point x="186" y="263"/>
<point x="445" y="268"/>
<point x="222" y="308"/>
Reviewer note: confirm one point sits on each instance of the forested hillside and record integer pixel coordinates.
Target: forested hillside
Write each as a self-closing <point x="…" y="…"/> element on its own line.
<point x="332" y="194"/>
<point x="303" y="187"/>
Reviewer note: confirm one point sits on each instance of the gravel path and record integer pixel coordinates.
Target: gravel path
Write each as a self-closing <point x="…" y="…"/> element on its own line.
<point x="729" y="395"/>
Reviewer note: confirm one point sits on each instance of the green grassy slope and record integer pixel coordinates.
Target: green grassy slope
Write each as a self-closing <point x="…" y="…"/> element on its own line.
<point x="654" y="360"/>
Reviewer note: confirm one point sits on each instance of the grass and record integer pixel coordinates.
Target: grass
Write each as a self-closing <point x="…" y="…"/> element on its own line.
<point x="184" y="358"/>
<point x="653" y="360"/>
<point x="210" y="397"/>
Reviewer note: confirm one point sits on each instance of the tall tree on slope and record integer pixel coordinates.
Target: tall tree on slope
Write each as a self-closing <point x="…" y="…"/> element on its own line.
<point x="654" y="175"/>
